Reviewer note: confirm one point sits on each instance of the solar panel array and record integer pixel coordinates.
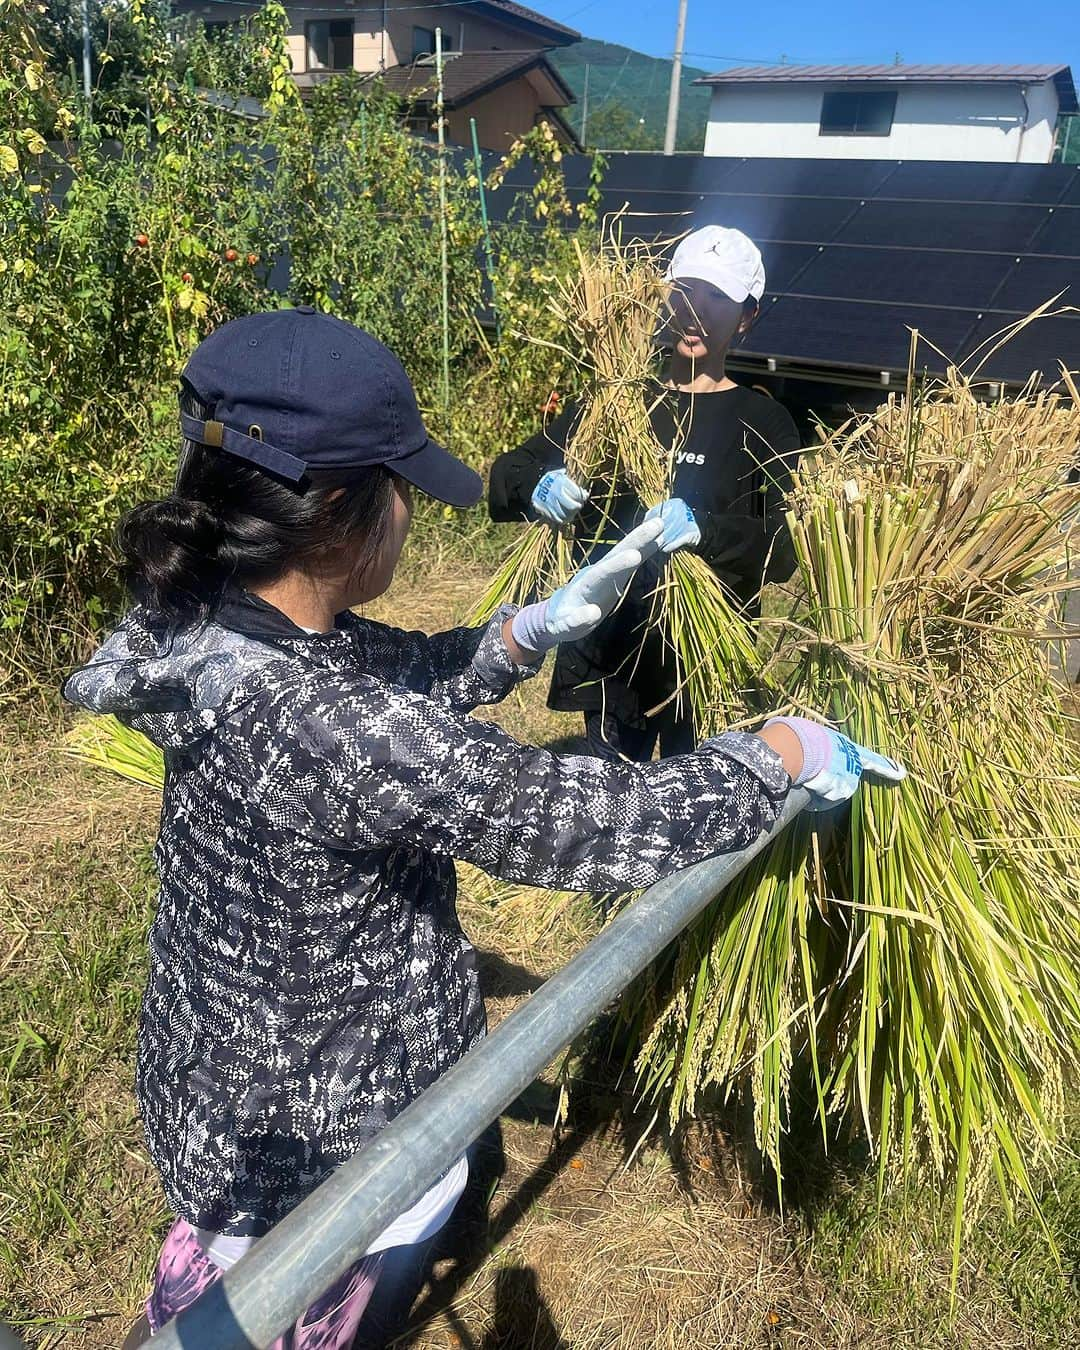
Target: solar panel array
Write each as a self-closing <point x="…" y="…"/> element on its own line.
<point x="858" y="252"/>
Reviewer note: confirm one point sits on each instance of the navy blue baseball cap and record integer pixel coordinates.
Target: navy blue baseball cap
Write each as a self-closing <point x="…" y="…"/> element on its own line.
<point x="298" y="392"/>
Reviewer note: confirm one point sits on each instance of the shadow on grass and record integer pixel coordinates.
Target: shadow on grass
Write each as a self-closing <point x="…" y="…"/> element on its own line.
<point x="500" y="978"/>
<point x="520" y="1316"/>
<point x="719" y="1148"/>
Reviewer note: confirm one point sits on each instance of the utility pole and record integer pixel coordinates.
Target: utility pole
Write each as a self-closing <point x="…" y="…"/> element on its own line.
<point x="86" y="51"/>
<point x="676" y="81"/>
<point x="585" y="109"/>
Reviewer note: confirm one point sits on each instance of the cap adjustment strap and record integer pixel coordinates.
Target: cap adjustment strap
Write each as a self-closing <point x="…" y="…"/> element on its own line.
<point x="254" y="449"/>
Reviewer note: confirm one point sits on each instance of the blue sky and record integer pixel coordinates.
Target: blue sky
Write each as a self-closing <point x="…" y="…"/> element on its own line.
<point x="835" y="31"/>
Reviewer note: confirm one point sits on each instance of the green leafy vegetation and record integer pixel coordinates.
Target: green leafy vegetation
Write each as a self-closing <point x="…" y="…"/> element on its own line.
<point x="628" y="97"/>
<point x="130" y="235"/>
<point x="1068" y="140"/>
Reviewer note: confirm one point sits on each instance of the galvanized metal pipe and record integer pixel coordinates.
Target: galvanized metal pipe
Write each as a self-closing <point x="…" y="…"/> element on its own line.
<point x="8" y="1339"/>
<point x="268" y="1289"/>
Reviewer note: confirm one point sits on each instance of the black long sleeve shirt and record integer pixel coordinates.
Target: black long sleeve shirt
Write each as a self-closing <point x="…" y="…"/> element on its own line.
<point x="735" y="453"/>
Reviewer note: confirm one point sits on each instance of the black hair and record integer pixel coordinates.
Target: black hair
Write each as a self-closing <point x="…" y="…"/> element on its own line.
<point x="227" y="520"/>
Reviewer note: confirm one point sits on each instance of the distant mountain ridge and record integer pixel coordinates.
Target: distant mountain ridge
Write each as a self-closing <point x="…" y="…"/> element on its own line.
<point x="631" y="86"/>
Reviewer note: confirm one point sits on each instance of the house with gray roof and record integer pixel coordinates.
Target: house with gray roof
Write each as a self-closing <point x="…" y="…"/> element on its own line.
<point x="989" y="114"/>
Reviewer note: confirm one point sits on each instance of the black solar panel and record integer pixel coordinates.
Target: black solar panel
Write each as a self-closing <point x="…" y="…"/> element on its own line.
<point x="1071" y="195"/>
<point x="650" y="203"/>
<point x="858" y="249"/>
<point x="832" y="332"/>
<point x="811" y="177"/>
<point x="639" y="222"/>
<point x="1044" y="345"/>
<point x="660" y="230"/>
<point x="898" y="276"/>
<point x="961" y="182"/>
<point x="1033" y="281"/>
<point x="783" y="263"/>
<point x="666" y="173"/>
<point x="945" y="225"/>
<point x="576" y="170"/>
<point x="1059" y="233"/>
<point x="789" y="219"/>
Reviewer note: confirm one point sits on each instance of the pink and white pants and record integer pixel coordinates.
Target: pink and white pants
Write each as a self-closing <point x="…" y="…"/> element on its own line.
<point x="184" y="1271"/>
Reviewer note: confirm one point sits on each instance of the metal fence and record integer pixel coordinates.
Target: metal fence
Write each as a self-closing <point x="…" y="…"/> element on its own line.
<point x="268" y="1289"/>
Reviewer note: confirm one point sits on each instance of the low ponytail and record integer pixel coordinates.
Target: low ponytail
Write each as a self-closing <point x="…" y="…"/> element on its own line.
<point x="171" y="551"/>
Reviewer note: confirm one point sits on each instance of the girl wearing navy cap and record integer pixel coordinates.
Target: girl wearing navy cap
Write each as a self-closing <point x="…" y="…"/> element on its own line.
<point x="308" y="975"/>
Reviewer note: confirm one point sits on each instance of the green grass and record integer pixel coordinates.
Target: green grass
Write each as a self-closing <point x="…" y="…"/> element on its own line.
<point x="894" y="1263"/>
<point x="80" y="1207"/>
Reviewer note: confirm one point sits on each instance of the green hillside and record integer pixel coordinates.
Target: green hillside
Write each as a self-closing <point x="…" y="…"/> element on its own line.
<point x="628" y="95"/>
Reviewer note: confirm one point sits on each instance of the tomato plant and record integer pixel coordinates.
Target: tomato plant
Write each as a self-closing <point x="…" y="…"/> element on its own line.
<point x="129" y="236"/>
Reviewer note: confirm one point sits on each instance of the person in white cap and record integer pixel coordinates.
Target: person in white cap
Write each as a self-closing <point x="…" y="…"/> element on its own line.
<point x="735" y="449"/>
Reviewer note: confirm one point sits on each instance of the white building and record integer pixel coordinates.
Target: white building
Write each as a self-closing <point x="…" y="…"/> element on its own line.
<point x="998" y="114"/>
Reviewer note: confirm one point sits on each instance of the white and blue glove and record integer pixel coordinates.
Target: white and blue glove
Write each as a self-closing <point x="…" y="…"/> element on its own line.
<point x="832" y="765"/>
<point x="681" y="530"/>
<point x="588" y="597"/>
<point x="557" y="498"/>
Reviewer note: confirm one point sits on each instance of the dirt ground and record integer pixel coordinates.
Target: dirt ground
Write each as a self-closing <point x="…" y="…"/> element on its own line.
<point x="603" y="1235"/>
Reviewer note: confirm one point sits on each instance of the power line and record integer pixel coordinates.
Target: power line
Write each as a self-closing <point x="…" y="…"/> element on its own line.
<point x="610" y="94"/>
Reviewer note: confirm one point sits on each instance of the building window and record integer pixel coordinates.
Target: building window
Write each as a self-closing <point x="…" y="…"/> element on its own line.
<point x="330" y="44"/>
<point x="423" y="42"/>
<point x="863" y="114"/>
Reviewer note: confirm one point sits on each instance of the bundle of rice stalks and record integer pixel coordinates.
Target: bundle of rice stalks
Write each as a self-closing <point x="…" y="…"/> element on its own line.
<point x="107" y="744"/>
<point x="611" y="310"/>
<point x="919" y="954"/>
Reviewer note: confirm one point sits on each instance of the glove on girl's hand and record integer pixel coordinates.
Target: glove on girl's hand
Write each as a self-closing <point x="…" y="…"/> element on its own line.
<point x="681" y="530"/>
<point x="589" y="596"/>
<point x="557" y="498"/>
<point x="833" y="765"/>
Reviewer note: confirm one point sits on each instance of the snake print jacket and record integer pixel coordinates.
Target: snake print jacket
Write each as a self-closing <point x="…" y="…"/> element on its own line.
<point x="308" y="975"/>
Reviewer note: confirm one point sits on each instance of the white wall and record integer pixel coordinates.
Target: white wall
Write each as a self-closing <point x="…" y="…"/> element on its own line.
<point x="962" y="122"/>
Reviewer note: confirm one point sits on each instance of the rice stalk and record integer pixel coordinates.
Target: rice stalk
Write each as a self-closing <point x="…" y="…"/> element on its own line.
<point x="920" y="952"/>
<point x="107" y="744"/>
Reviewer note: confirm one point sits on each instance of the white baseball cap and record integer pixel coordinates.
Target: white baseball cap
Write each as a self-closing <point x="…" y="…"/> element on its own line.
<point x="726" y="258"/>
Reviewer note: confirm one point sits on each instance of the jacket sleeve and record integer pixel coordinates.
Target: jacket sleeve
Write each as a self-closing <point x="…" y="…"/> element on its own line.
<point x="753" y="540"/>
<point x="515" y="473"/>
<point x="460" y="668"/>
<point x="355" y="769"/>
